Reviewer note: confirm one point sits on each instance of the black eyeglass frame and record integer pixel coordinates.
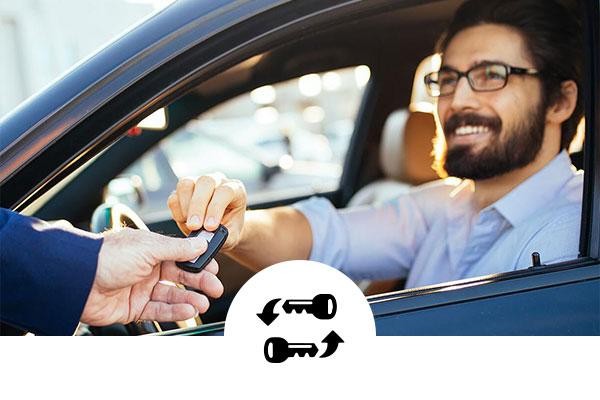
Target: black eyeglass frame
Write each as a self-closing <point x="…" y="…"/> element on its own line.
<point x="510" y="70"/>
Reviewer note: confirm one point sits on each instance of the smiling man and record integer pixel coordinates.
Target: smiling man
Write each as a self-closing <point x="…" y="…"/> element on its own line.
<point x="508" y="106"/>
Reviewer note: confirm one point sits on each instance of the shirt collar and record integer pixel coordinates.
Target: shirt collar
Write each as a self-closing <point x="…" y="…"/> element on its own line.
<point x="536" y="192"/>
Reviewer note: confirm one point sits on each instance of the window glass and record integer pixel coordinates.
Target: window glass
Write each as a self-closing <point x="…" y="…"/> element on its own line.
<point x="281" y="140"/>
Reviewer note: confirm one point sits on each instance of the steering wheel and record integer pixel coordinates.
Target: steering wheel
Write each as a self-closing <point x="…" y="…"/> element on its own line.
<point x="116" y="217"/>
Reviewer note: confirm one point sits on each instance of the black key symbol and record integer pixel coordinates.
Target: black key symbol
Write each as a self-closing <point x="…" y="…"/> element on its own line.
<point x="322" y="306"/>
<point x="277" y="350"/>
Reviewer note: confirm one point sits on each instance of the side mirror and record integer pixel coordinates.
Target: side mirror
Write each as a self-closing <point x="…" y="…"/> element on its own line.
<point x="128" y="189"/>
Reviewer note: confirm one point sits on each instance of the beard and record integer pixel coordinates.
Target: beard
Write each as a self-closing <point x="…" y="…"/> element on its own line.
<point x="520" y="146"/>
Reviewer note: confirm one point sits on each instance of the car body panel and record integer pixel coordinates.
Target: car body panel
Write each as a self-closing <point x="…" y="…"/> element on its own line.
<point x="89" y="108"/>
<point x="554" y="301"/>
<point x="591" y="191"/>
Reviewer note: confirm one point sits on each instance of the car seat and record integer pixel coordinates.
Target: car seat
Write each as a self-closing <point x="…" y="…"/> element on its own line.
<point x="405" y="150"/>
<point x="406" y="155"/>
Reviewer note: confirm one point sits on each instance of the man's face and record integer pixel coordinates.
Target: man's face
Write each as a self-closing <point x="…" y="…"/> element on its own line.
<point x="490" y="133"/>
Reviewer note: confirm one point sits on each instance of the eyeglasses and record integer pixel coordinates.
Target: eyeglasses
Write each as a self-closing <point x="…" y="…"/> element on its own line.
<point x="484" y="77"/>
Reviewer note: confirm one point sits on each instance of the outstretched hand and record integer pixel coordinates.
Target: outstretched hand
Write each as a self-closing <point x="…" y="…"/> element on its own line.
<point x="133" y="266"/>
<point x="210" y="200"/>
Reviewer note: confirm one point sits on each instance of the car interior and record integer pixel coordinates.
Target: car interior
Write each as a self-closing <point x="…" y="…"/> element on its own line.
<point x="389" y="151"/>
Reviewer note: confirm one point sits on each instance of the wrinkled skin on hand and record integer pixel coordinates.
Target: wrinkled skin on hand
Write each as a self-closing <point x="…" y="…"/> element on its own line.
<point x="129" y="283"/>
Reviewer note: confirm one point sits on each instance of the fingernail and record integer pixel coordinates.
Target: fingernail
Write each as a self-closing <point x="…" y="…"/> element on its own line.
<point x="211" y="221"/>
<point x="193" y="221"/>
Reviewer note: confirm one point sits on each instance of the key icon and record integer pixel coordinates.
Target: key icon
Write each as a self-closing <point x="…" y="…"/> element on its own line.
<point x="277" y="350"/>
<point x="322" y="306"/>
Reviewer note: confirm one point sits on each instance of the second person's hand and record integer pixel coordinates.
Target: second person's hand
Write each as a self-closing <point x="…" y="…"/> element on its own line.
<point x="208" y="201"/>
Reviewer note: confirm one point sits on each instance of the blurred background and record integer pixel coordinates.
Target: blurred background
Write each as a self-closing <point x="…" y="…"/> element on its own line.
<point x="42" y="39"/>
<point x="282" y="140"/>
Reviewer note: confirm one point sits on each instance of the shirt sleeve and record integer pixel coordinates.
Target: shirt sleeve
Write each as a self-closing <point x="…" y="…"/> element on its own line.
<point x="555" y="241"/>
<point x="366" y="242"/>
<point x="46" y="274"/>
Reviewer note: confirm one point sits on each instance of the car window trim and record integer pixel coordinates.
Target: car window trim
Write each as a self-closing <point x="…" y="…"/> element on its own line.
<point x="586" y="267"/>
<point x="590" y="223"/>
<point x="467" y="290"/>
<point x="339" y="11"/>
<point x="591" y="236"/>
<point x="590" y="217"/>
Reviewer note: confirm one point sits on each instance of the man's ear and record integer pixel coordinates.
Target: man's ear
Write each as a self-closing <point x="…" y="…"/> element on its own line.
<point x="564" y="106"/>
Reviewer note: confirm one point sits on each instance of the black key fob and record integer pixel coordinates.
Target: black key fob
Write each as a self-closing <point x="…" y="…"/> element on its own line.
<point x="215" y="242"/>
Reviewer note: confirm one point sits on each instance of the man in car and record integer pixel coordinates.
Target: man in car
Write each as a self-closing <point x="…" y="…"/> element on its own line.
<point x="53" y="277"/>
<point x="508" y="104"/>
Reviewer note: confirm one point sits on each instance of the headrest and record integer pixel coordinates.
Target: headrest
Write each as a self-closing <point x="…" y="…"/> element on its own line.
<point x="406" y="140"/>
<point x="391" y="148"/>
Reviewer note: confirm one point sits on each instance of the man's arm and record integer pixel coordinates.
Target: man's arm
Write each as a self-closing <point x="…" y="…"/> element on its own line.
<point x="52" y="277"/>
<point x="272" y="236"/>
<point x="256" y="239"/>
<point x="133" y="266"/>
<point x="364" y="243"/>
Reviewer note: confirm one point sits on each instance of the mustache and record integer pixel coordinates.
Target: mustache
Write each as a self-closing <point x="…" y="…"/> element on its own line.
<point x="458" y="120"/>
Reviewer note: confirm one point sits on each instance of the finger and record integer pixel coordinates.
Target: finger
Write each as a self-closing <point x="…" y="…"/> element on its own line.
<point x="165" y="248"/>
<point x="176" y="295"/>
<point x="163" y="312"/>
<point x="212" y="267"/>
<point x="175" y="207"/>
<point x="183" y="228"/>
<point x="203" y="192"/>
<point x="204" y="281"/>
<point x="222" y="197"/>
<point x="185" y="188"/>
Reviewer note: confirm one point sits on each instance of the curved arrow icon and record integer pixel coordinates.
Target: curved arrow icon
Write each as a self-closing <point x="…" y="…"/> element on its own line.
<point x="332" y="340"/>
<point x="268" y="316"/>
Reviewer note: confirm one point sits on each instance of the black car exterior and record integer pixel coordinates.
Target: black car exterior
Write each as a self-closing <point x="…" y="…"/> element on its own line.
<point x="91" y="107"/>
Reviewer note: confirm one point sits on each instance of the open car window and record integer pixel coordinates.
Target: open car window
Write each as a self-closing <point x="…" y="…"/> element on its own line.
<point x="285" y="144"/>
<point x="283" y="140"/>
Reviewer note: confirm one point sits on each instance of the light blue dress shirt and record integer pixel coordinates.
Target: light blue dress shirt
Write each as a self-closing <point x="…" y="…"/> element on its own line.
<point x="433" y="234"/>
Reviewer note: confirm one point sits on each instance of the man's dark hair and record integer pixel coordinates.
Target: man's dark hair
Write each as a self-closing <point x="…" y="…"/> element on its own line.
<point x="553" y="38"/>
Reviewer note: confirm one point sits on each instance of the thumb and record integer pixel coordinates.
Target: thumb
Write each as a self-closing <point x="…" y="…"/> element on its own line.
<point x="165" y="248"/>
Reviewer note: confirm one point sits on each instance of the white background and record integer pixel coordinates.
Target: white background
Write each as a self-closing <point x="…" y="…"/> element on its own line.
<point x="299" y="280"/>
<point x="392" y="367"/>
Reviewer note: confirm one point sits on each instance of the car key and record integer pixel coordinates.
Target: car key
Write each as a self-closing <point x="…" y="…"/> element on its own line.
<point x="215" y="242"/>
<point x="318" y="306"/>
<point x="277" y="350"/>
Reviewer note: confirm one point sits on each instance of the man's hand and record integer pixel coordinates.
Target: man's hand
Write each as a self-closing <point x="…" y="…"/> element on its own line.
<point x="207" y="202"/>
<point x="128" y="287"/>
<point x="214" y="199"/>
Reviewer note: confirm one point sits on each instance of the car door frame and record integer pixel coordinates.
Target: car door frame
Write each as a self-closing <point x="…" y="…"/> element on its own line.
<point x="92" y="106"/>
<point x="558" y="299"/>
<point x="561" y="299"/>
<point x="99" y="114"/>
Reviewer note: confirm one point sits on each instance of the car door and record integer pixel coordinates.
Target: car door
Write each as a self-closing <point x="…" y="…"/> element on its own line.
<point x="560" y="299"/>
<point x="83" y="124"/>
<point x="68" y="143"/>
<point x="287" y="145"/>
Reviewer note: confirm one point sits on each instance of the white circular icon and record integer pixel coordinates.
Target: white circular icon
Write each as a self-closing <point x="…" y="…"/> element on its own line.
<point x="299" y="312"/>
